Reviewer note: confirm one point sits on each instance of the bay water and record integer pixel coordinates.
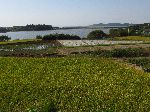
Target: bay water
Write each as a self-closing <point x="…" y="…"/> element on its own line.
<point x="32" y="34"/>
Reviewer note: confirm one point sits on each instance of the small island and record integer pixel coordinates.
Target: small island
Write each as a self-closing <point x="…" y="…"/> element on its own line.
<point x="31" y="27"/>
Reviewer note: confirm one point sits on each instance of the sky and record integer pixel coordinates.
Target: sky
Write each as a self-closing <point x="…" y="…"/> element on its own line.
<point x="73" y="12"/>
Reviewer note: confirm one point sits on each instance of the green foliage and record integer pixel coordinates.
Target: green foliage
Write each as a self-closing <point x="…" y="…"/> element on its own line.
<point x="129" y="52"/>
<point x="120" y="53"/>
<point x="135" y="30"/>
<point x="60" y="37"/>
<point x="39" y="37"/>
<point x="4" y="38"/>
<point x="140" y="30"/>
<point x="123" y="32"/>
<point x="114" y="33"/>
<point x="143" y="62"/>
<point x="133" y="38"/>
<point x="32" y="27"/>
<point x="97" y="34"/>
<point x="118" y="32"/>
<point x="72" y="84"/>
<point x="3" y="30"/>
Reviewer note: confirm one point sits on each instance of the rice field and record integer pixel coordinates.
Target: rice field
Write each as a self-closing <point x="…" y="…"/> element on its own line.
<point x="72" y="84"/>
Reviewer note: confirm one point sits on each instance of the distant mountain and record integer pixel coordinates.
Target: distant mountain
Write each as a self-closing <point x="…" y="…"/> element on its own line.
<point x="110" y="25"/>
<point x="39" y="27"/>
<point x="32" y="27"/>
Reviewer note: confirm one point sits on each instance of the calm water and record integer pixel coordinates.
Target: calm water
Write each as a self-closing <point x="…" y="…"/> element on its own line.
<point x="32" y="34"/>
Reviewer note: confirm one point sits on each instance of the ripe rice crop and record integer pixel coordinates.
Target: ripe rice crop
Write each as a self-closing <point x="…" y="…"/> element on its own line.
<point x="72" y="84"/>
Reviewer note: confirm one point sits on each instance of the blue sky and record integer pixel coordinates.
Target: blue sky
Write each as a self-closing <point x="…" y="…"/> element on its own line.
<point x="73" y="12"/>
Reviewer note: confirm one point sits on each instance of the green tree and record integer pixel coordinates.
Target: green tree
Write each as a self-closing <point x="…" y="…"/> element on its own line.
<point x="97" y="34"/>
<point x="39" y="37"/>
<point x="123" y="32"/>
<point x="4" y="38"/>
<point x="3" y="30"/>
<point x="60" y="37"/>
<point x="114" y="33"/>
<point x="118" y="32"/>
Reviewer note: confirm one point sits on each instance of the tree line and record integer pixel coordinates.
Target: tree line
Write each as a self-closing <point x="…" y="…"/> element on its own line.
<point x="58" y="37"/>
<point x="3" y="30"/>
<point x="32" y="27"/>
<point x="4" y="38"/>
<point x="136" y="30"/>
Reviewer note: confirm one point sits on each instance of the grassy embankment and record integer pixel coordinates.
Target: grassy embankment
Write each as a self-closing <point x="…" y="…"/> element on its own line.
<point x="72" y="84"/>
<point x="19" y="41"/>
<point x="133" y="38"/>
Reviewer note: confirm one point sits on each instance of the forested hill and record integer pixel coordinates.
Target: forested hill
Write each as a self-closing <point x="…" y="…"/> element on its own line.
<point x="3" y="30"/>
<point x="32" y="27"/>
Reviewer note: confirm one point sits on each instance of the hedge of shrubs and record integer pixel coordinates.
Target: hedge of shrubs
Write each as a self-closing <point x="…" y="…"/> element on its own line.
<point x="4" y="38"/>
<point x="143" y="62"/>
<point x="121" y="53"/>
<point x="96" y="35"/>
<point x="59" y="37"/>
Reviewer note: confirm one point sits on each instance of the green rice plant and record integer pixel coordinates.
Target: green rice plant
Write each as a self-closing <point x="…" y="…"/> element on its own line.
<point x="72" y="84"/>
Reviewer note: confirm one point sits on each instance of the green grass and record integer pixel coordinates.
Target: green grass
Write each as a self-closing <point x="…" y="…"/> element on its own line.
<point x="133" y="38"/>
<point x="72" y="84"/>
<point x="19" y="41"/>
